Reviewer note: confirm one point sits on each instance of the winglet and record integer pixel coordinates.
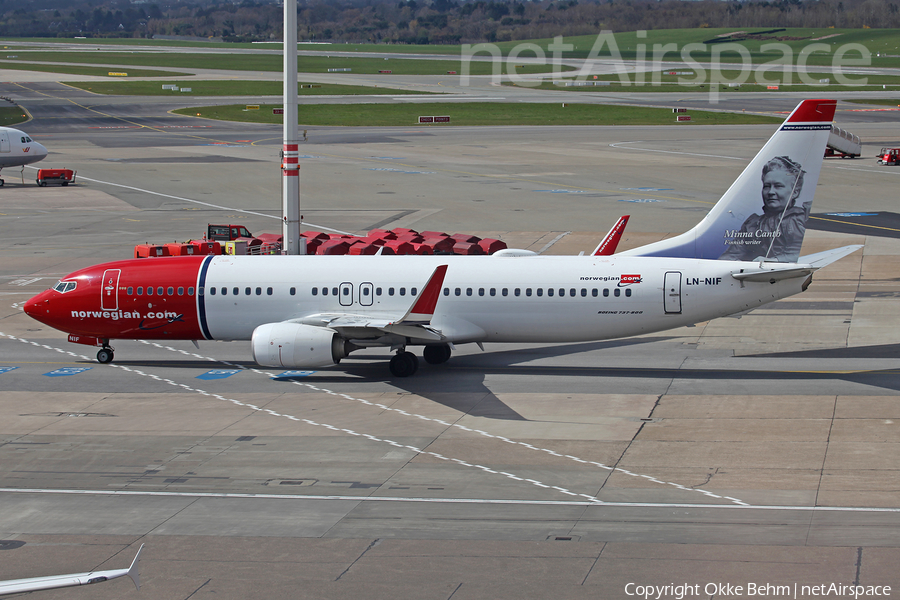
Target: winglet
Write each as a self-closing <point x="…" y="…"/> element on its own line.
<point x="611" y="241"/>
<point x="423" y="309"/>
<point x="133" y="569"/>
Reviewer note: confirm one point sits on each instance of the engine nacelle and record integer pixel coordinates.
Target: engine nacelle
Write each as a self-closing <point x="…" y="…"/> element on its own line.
<point x="294" y="346"/>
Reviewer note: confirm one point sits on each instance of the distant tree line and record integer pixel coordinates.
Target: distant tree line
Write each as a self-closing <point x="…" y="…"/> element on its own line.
<point x="425" y="21"/>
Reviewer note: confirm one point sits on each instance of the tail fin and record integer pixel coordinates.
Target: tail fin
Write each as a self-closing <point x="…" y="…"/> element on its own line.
<point x="611" y="241"/>
<point x="763" y="214"/>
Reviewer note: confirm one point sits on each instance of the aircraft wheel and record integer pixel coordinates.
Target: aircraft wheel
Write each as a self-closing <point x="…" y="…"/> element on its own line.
<point x="404" y="364"/>
<point x="105" y="355"/>
<point x="41" y="183"/>
<point x="436" y="354"/>
<point x="2" y="182"/>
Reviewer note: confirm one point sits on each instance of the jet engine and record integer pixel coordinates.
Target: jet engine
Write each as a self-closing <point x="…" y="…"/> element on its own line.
<point x="293" y="346"/>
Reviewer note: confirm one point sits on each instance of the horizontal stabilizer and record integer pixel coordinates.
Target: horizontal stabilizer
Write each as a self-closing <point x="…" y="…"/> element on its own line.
<point x="772" y="271"/>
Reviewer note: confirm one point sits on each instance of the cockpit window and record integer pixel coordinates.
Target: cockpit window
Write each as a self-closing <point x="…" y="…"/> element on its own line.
<point x="64" y="286"/>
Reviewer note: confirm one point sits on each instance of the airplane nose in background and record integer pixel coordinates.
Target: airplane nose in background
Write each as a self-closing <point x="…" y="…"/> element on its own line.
<point x="41" y="150"/>
<point x="32" y="307"/>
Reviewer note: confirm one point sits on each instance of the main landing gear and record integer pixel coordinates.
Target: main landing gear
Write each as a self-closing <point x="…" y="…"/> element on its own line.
<point x="404" y="363"/>
<point x="105" y="355"/>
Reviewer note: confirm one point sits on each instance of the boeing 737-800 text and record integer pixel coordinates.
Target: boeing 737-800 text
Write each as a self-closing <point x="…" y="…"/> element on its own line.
<point x="305" y="312"/>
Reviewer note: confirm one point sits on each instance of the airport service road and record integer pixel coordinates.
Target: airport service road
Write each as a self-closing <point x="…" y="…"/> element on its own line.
<point x="761" y="449"/>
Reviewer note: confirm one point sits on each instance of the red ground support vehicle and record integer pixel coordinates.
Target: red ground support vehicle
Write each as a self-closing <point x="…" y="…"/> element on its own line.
<point x="62" y="176"/>
<point x="889" y="156"/>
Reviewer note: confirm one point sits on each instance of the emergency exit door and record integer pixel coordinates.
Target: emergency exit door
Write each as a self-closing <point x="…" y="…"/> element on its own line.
<point x="672" y="292"/>
<point x="109" y="291"/>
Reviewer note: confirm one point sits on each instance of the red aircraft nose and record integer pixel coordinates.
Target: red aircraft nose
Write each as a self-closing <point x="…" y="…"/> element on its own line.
<point x="37" y="307"/>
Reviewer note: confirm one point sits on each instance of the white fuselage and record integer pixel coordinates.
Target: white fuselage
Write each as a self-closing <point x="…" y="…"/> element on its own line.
<point x="494" y="299"/>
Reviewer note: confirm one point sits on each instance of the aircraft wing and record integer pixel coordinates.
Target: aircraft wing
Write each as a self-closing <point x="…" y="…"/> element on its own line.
<point x="17" y="586"/>
<point x="414" y="323"/>
<point x="773" y="271"/>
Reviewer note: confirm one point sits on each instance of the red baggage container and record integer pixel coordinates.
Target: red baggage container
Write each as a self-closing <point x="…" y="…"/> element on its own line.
<point x="150" y="250"/>
<point x="400" y="247"/>
<point x="433" y="234"/>
<point x="411" y="238"/>
<point x="363" y="249"/>
<point x="423" y="249"/>
<point x="465" y="237"/>
<point x="177" y="249"/>
<point x="383" y="234"/>
<point x="271" y="238"/>
<point x="333" y="247"/>
<point x="398" y="231"/>
<point x="468" y="249"/>
<point x="207" y="247"/>
<point x="440" y="244"/>
<point x="490" y="245"/>
<point x="312" y="246"/>
<point x="315" y="235"/>
<point x="63" y="176"/>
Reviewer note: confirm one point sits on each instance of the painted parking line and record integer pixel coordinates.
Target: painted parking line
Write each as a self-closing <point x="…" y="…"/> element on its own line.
<point x="218" y="374"/>
<point x="6" y="369"/>
<point x="67" y="371"/>
<point x="289" y="375"/>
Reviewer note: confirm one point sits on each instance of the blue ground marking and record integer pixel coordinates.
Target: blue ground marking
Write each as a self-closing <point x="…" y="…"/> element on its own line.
<point x="563" y="191"/>
<point x="292" y="375"/>
<point x="852" y="214"/>
<point x="648" y="189"/>
<point x="641" y="200"/>
<point x="5" y="369"/>
<point x="66" y="371"/>
<point x="218" y="374"/>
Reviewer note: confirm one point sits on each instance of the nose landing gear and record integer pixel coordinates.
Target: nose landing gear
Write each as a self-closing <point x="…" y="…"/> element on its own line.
<point x="105" y="355"/>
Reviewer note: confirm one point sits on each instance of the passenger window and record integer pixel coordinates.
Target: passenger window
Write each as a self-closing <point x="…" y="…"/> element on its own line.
<point x="180" y="291"/>
<point x="129" y="291"/>
<point x="293" y="291"/>
<point x="346" y="291"/>
<point x="606" y="292"/>
<point x="403" y="291"/>
<point x="628" y="292"/>
<point x="583" y="292"/>
<point x="170" y="290"/>
<point x="268" y="291"/>
<point x="504" y="292"/>
<point x="540" y="292"/>
<point x="191" y="291"/>
<point x="365" y="292"/>
<point x="481" y="291"/>
<point x="315" y="291"/>
<point x="259" y="291"/>
<point x="413" y="291"/>
<point x="246" y="291"/>
<point x="334" y="291"/>
<point x="377" y="291"/>
<point x="594" y="292"/>
<point x="617" y="292"/>
<point x="572" y="292"/>
<point x="140" y="290"/>
<point x="149" y="291"/>
<point x="223" y="291"/>
<point x="457" y="291"/>
<point x="517" y="292"/>
<point x="159" y="291"/>
<point x="324" y="291"/>
<point x="212" y="291"/>
<point x="200" y="291"/>
<point x="527" y="291"/>
<point x="446" y="291"/>
<point x="562" y="292"/>
<point x="235" y="291"/>
<point x="493" y="291"/>
<point x="468" y="291"/>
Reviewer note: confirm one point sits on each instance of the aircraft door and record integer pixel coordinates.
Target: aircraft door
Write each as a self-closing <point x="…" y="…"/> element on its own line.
<point x="4" y="141"/>
<point x="346" y="294"/>
<point x="109" y="291"/>
<point x="672" y="292"/>
<point x="365" y="294"/>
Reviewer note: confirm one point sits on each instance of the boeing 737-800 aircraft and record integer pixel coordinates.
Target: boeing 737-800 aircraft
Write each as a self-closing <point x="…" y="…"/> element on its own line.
<point x="303" y="312"/>
<point x="17" y="149"/>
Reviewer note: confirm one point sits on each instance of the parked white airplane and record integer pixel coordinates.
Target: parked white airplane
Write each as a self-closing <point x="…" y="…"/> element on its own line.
<point x="18" y="149"/>
<point x="312" y="311"/>
<point x="33" y="584"/>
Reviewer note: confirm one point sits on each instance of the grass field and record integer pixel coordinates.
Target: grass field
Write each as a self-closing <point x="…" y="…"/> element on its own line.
<point x="231" y="87"/>
<point x="12" y="115"/>
<point x="894" y="103"/>
<point x="475" y="113"/>
<point x="93" y="71"/>
<point x="266" y="62"/>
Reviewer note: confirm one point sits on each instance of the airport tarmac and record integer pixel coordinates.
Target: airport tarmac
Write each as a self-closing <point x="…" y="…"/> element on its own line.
<point x="756" y="450"/>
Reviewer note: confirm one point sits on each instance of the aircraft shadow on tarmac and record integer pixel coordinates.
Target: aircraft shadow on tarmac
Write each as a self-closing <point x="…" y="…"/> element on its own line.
<point x="464" y="376"/>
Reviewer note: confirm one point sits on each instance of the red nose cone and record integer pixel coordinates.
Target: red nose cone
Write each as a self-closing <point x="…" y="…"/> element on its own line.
<point x="34" y="307"/>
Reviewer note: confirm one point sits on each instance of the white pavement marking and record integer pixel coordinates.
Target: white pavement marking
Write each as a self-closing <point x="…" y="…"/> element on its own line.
<point x="293" y="418"/>
<point x="478" y="431"/>
<point x="662" y="505"/>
